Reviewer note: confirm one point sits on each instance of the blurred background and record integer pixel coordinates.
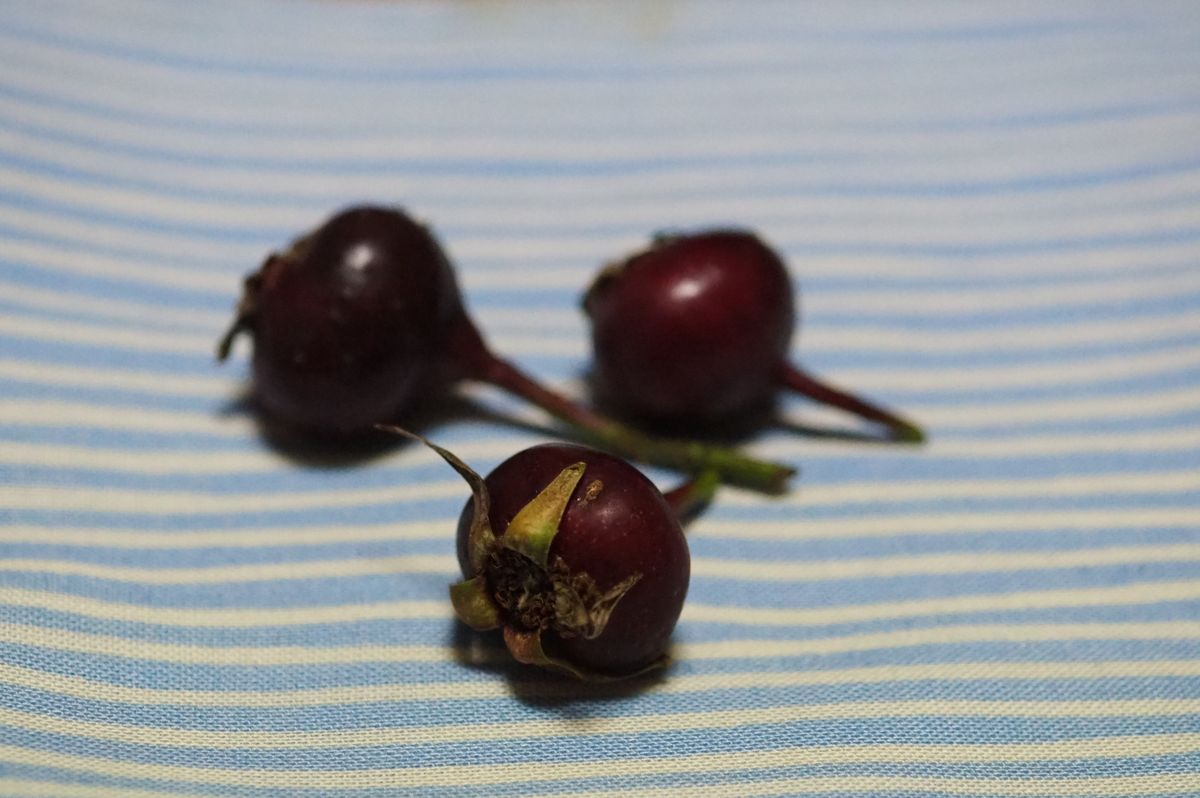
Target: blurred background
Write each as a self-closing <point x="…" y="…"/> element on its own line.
<point x="990" y="214"/>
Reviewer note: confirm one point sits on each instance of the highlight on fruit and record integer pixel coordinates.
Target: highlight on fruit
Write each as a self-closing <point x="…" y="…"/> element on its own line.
<point x="694" y="332"/>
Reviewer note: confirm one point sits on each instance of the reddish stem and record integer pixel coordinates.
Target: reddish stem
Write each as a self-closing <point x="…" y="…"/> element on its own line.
<point x="806" y="384"/>
<point x="688" y="499"/>
<point x="480" y="363"/>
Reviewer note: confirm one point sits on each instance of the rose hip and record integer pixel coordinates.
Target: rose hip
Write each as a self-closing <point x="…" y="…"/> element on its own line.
<point x="361" y="321"/>
<point x="694" y="332"/>
<point x="576" y="556"/>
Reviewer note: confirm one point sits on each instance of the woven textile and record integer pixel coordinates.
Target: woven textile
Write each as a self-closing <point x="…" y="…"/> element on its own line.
<point x="992" y="212"/>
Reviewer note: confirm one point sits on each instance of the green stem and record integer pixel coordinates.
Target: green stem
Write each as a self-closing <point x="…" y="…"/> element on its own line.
<point x="689" y="456"/>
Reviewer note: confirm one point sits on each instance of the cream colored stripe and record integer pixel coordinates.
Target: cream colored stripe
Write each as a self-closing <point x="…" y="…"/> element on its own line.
<point x="165" y="462"/>
<point x="1075" y="370"/>
<point x="811" y="755"/>
<point x="834" y="335"/>
<point x="939" y="564"/>
<point x="237" y="656"/>
<point x="964" y="154"/>
<point x="915" y="299"/>
<point x="807" y="497"/>
<point x="564" y="726"/>
<point x="238" y="538"/>
<point x="946" y="524"/>
<point x="1010" y="446"/>
<point x="79" y="376"/>
<point x="142" y="271"/>
<point x="255" y="572"/>
<point x="1140" y="405"/>
<point x="753" y="570"/>
<point x="905" y="226"/>
<point x="25" y="788"/>
<point x="1129" y="594"/>
<point x="925" y="302"/>
<point x="1061" y="372"/>
<point x="1139" y="786"/>
<point x="108" y="645"/>
<point x="171" y="317"/>
<point x="255" y="617"/>
<point x="58" y="413"/>
<point x="894" y="301"/>
<point x="911" y="158"/>
<point x="852" y="335"/>
<point x="880" y="526"/>
<point x="1028" y="445"/>
<point x="858" y="299"/>
<point x="92" y="690"/>
<point x="1071" y="370"/>
<point x="228" y="617"/>
<point x="1033" y="445"/>
<point x="156" y="339"/>
<point x="693" y="193"/>
<point x="182" y="502"/>
<point x="942" y="635"/>
<point x="1059" y="486"/>
<point x="540" y="259"/>
<point x="848" y="117"/>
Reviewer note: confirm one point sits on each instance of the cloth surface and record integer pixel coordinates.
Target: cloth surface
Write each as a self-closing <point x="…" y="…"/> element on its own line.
<point x="991" y="215"/>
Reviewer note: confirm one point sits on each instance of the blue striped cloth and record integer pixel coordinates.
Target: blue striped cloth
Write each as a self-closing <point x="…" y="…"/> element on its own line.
<point x="993" y="211"/>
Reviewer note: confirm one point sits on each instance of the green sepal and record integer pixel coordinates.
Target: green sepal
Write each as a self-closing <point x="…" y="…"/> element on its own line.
<point x="526" y="647"/>
<point x="480" y="538"/>
<point x="533" y="528"/>
<point x="473" y="605"/>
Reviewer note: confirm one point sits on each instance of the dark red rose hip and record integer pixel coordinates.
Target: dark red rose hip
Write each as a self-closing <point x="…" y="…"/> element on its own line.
<point x="361" y="321"/>
<point x="695" y="330"/>
<point x="576" y="556"/>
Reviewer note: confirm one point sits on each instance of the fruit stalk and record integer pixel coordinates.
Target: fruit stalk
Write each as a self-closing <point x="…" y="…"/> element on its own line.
<point x="689" y="499"/>
<point x="690" y="456"/>
<point x="800" y="381"/>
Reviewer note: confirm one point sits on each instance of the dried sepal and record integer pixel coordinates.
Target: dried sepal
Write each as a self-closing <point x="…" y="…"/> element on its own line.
<point x="580" y="609"/>
<point x="481" y="540"/>
<point x="532" y="530"/>
<point x="473" y="605"/>
<point x="526" y="648"/>
<point x="243" y="318"/>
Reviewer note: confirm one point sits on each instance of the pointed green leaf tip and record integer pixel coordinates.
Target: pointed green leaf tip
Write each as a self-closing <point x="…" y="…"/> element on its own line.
<point x="533" y="528"/>
<point x="480" y="538"/>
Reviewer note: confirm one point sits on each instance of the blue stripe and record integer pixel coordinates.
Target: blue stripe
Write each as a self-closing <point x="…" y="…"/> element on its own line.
<point x="433" y="586"/>
<point x="131" y="671"/>
<point x="383" y="714"/>
<point x="420" y="631"/>
<point x="567" y="749"/>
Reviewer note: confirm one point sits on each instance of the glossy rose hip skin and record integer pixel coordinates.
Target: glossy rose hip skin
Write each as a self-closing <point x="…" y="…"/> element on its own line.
<point x="346" y="321"/>
<point x="616" y="526"/>
<point x="361" y="321"/>
<point x="695" y="331"/>
<point x="575" y="556"/>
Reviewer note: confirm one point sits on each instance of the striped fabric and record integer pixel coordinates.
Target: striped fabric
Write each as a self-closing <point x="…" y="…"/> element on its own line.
<point x="993" y="212"/>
